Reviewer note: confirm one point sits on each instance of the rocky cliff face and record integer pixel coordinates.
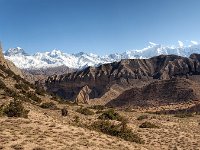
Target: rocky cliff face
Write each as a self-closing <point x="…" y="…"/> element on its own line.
<point x="8" y="64"/>
<point x="125" y="72"/>
<point x="84" y="95"/>
<point x="2" y="59"/>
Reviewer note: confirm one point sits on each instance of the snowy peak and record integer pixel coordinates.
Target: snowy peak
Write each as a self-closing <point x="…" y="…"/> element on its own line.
<point x="80" y="60"/>
<point x="15" y="51"/>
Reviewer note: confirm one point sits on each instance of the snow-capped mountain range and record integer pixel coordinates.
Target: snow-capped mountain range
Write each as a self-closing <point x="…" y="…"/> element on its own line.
<point x="80" y="60"/>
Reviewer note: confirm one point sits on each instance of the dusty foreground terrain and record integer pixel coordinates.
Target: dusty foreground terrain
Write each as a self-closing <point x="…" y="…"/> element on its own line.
<point x="47" y="129"/>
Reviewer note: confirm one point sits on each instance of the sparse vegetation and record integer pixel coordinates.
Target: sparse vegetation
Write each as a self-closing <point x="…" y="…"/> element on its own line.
<point x="119" y="130"/>
<point x="148" y="125"/>
<point x="10" y="93"/>
<point x="2" y="85"/>
<point x="9" y="72"/>
<point x="40" y="91"/>
<point x="33" y="97"/>
<point x="2" y="75"/>
<point x="15" y="109"/>
<point x="76" y="119"/>
<point x="48" y="105"/>
<point x="38" y="148"/>
<point x="1" y="110"/>
<point x="110" y="115"/>
<point x="17" y="147"/>
<point x="22" y="86"/>
<point x="142" y="117"/>
<point x="17" y="77"/>
<point x="183" y="115"/>
<point x="28" y="83"/>
<point x="98" y="107"/>
<point x="85" y="111"/>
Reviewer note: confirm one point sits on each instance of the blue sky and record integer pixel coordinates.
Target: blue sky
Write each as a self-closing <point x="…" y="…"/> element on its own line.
<point x="97" y="26"/>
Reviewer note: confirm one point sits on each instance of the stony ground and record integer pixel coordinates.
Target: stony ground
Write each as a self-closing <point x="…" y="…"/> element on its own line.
<point x="47" y="129"/>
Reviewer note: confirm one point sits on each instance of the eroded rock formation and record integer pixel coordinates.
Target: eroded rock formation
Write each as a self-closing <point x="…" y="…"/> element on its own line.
<point x="161" y="92"/>
<point x="83" y="95"/>
<point x="126" y="73"/>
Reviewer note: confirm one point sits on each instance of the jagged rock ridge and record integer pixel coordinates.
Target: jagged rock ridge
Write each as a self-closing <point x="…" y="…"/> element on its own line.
<point x="125" y="72"/>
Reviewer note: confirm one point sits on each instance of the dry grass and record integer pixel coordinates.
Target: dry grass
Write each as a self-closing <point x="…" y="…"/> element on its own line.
<point x="48" y="129"/>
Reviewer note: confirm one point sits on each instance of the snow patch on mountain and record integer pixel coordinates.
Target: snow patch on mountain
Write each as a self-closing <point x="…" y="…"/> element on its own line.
<point x="80" y="60"/>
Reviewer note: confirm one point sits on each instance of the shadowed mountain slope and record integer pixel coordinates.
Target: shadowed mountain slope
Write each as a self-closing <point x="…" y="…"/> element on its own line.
<point x="158" y="93"/>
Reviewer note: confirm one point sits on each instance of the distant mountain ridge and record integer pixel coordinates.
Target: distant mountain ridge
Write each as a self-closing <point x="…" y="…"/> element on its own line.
<point x="126" y="74"/>
<point x="81" y="60"/>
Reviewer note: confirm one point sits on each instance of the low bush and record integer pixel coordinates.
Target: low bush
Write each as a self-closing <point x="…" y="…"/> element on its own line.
<point x="76" y="119"/>
<point x="99" y="111"/>
<point x="110" y="115"/>
<point x="1" y="110"/>
<point x="98" y="107"/>
<point x="24" y="87"/>
<point x="28" y="83"/>
<point x="64" y="111"/>
<point x="119" y="130"/>
<point x="17" y="77"/>
<point x="148" y="125"/>
<point x="15" y="109"/>
<point x="48" y="105"/>
<point x="9" y="72"/>
<point x="10" y="93"/>
<point x="85" y="111"/>
<point x="2" y="75"/>
<point x="183" y="115"/>
<point x="40" y="91"/>
<point x="2" y="85"/>
<point x="142" y="117"/>
<point x="33" y="97"/>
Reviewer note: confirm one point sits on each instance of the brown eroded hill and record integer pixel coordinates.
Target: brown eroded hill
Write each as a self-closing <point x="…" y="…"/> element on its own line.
<point x="161" y="92"/>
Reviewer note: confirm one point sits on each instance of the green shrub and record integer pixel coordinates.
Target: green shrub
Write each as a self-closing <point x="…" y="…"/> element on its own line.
<point x="99" y="111"/>
<point x="98" y="107"/>
<point x="9" y="72"/>
<point x="2" y="67"/>
<point x="142" y="117"/>
<point x="33" y="97"/>
<point x="1" y="110"/>
<point x="183" y="115"/>
<point x="40" y="91"/>
<point x="148" y="125"/>
<point x="64" y="111"/>
<point x="85" y="111"/>
<point x="119" y="130"/>
<point x="76" y="119"/>
<point x="16" y="109"/>
<point x="17" y="77"/>
<point x="2" y="75"/>
<point x="110" y="115"/>
<point x="10" y="93"/>
<point x="48" y="105"/>
<point x="24" y="87"/>
<point x="2" y="85"/>
<point x="28" y="83"/>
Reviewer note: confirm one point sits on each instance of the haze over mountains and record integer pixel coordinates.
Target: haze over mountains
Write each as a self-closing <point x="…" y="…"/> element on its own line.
<point x="81" y="60"/>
